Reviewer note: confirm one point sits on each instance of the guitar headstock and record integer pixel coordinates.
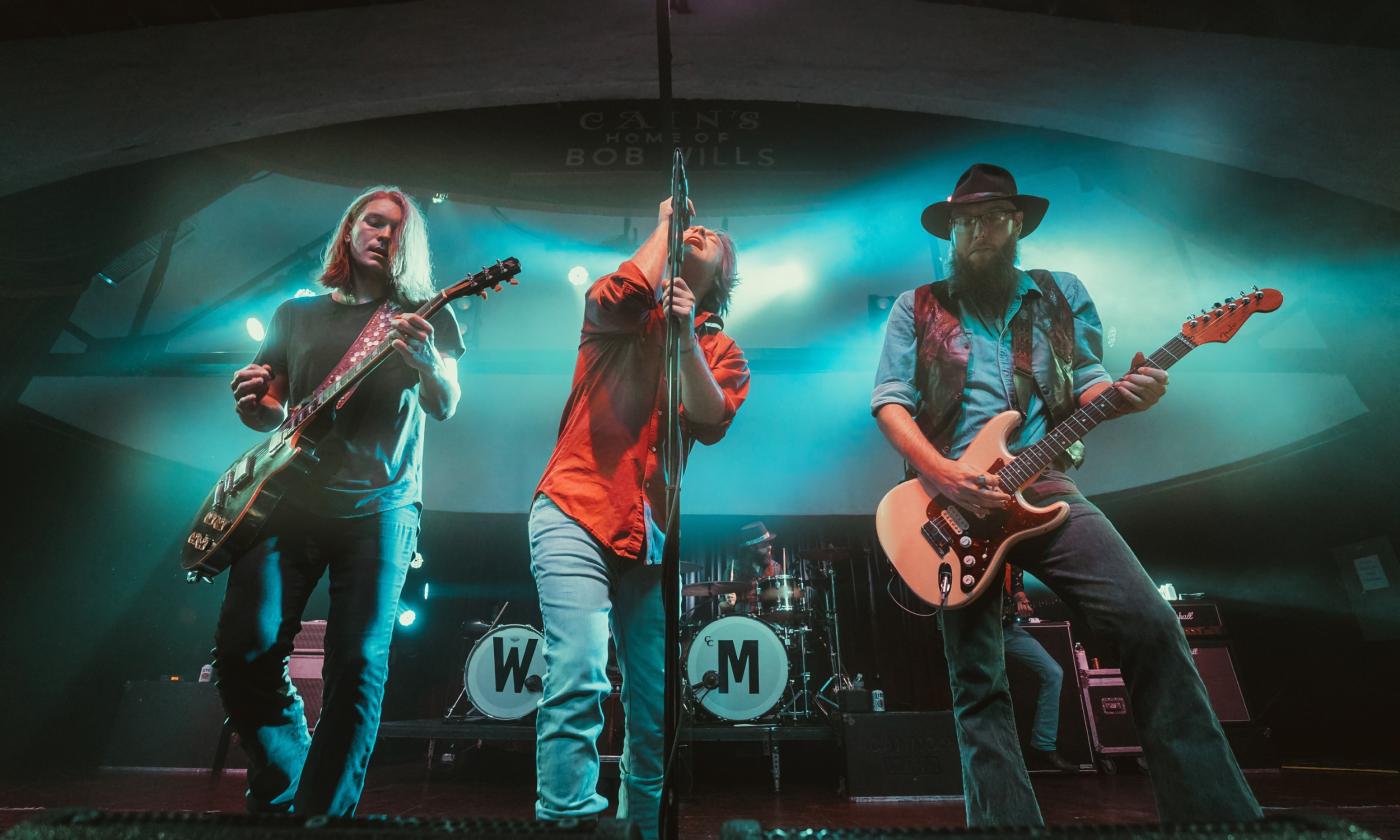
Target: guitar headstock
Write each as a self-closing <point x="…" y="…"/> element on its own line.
<point x="1223" y="319"/>
<point x="484" y="279"/>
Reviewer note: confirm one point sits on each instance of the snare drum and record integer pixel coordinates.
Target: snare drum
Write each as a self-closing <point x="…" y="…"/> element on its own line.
<point x="782" y="598"/>
<point x="505" y="672"/>
<point x="736" y="668"/>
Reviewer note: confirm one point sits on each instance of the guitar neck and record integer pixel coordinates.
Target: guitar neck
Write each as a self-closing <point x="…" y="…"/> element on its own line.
<point x="1032" y="460"/>
<point x="308" y="407"/>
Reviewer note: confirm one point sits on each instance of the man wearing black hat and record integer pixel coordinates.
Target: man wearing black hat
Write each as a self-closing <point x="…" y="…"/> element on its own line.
<point x="992" y="338"/>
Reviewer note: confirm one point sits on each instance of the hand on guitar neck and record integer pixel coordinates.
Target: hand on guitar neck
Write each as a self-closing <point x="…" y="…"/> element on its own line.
<point x="1138" y="390"/>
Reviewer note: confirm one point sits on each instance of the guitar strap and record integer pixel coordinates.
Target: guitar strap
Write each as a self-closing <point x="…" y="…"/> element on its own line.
<point x="1022" y="375"/>
<point x="376" y="329"/>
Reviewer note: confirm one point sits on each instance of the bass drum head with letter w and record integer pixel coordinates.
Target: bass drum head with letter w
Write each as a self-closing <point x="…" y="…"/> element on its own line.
<point x="746" y="662"/>
<point x="505" y="672"/>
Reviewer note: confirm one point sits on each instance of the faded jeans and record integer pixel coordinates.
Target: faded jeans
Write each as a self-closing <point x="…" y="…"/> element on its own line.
<point x="1085" y="561"/>
<point x="367" y="558"/>
<point x="584" y="591"/>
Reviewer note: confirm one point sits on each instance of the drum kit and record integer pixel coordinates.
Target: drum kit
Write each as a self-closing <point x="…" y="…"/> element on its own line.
<point x="763" y="647"/>
<point x="753" y="648"/>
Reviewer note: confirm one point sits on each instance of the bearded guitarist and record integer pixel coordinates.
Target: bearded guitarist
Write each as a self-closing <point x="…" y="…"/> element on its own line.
<point x="356" y="520"/>
<point x="992" y="338"/>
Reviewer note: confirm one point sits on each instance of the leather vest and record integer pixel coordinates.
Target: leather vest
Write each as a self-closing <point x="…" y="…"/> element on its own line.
<point x="1042" y="339"/>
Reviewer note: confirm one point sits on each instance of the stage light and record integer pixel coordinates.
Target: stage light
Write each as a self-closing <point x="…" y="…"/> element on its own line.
<point x="425" y="590"/>
<point x="407" y="617"/>
<point x="301" y="293"/>
<point x="255" y="329"/>
<point x="439" y="198"/>
<point x="578" y="275"/>
<point x="417" y="561"/>
<point x="105" y="279"/>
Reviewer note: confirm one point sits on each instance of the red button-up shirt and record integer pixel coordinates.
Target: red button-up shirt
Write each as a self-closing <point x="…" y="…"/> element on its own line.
<point x="607" y="461"/>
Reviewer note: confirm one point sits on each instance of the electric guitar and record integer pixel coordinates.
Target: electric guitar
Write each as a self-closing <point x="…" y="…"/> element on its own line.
<point x="949" y="555"/>
<point x="235" y="512"/>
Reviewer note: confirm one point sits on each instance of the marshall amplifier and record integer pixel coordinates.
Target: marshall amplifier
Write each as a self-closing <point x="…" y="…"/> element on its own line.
<point x="1199" y="618"/>
<point x="1217" y="669"/>
<point x="305" y="665"/>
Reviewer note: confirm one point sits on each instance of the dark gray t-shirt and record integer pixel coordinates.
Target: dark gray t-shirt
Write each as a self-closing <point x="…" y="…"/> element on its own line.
<point x="377" y="443"/>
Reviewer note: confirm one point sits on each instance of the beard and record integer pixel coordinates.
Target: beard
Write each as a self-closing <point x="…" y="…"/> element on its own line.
<point x="989" y="283"/>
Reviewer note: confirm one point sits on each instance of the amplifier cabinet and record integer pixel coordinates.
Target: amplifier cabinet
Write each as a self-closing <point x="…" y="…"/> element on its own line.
<point x="900" y="754"/>
<point x="1217" y="669"/>
<point x="1199" y="618"/>
<point x="1072" y="739"/>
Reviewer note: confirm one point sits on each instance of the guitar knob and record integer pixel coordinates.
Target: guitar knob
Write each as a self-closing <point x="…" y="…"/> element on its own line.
<point x="968" y="580"/>
<point x="965" y="541"/>
<point x="969" y="561"/>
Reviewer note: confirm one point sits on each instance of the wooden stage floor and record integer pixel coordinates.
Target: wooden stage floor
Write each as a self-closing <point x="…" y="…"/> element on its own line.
<point x="500" y="784"/>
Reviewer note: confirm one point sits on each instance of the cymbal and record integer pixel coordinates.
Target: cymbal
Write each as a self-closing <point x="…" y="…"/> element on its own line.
<point x="707" y="588"/>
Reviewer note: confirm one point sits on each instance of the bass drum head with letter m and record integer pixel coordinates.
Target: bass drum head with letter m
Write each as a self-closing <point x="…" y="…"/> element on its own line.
<point x="746" y="664"/>
<point x="505" y="672"/>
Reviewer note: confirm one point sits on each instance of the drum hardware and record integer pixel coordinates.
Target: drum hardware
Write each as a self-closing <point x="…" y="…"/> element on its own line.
<point x="504" y="671"/>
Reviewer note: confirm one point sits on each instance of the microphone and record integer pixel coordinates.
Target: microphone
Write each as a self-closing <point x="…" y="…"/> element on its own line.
<point x="709" y="681"/>
<point x="534" y="684"/>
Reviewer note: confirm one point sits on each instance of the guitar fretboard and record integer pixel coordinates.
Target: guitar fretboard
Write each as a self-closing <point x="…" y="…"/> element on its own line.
<point x="1035" y="458"/>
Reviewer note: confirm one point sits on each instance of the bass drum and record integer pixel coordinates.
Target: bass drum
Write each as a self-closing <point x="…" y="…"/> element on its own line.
<point x="736" y="668"/>
<point x="505" y="672"/>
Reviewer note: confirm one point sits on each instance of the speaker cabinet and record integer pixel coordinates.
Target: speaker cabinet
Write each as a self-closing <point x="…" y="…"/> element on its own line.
<point x="167" y="725"/>
<point x="1072" y="741"/>
<point x="900" y="754"/>
<point x="1217" y="669"/>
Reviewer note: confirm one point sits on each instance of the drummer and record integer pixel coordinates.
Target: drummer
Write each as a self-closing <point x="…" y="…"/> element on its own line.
<point x="756" y="559"/>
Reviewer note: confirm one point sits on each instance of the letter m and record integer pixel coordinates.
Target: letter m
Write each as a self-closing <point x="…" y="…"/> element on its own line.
<point x="746" y="659"/>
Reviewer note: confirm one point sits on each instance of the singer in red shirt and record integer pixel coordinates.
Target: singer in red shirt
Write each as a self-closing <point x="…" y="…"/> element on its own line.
<point x="598" y="520"/>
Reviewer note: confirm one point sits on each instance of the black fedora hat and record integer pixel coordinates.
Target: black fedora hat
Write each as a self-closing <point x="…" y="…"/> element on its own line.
<point x="984" y="182"/>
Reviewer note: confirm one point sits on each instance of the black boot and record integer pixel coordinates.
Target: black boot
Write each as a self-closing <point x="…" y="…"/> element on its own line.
<point x="1048" y="760"/>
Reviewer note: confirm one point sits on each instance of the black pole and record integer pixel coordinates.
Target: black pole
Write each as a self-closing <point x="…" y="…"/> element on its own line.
<point x="673" y="458"/>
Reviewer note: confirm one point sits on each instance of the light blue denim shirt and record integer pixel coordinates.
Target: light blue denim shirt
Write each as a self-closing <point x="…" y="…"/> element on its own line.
<point x="990" y="388"/>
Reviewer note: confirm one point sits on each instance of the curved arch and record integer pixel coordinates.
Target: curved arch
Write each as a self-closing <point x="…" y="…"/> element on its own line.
<point x="1285" y="109"/>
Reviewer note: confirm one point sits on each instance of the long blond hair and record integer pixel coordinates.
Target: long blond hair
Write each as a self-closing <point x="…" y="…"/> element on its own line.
<point x="410" y="261"/>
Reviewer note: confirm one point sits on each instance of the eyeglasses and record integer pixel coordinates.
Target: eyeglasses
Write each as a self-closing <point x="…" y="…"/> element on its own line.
<point x="995" y="218"/>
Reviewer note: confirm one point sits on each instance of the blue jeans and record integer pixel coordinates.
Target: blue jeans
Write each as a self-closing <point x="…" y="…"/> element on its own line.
<point x="583" y="589"/>
<point x="1023" y="648"/>
<point x="1085" y="561"/>
<point x="367" y="558"/>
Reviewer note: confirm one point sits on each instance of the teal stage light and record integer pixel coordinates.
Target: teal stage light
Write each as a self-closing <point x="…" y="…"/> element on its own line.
<point x="407" y="616"/>
<point x="256" y="331"/>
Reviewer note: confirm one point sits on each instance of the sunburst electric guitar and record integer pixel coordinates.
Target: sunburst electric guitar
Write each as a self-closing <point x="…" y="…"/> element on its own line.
<point x="234" y="513"/>
<point x="948" y="555"/>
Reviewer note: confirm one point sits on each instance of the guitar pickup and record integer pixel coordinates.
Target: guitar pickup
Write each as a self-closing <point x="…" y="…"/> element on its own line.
<point x="242" y="473"/>
<point x="935" y="538"/>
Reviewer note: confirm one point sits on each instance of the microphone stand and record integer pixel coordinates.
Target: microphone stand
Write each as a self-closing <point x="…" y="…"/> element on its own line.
<point x="673" y="464"/>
